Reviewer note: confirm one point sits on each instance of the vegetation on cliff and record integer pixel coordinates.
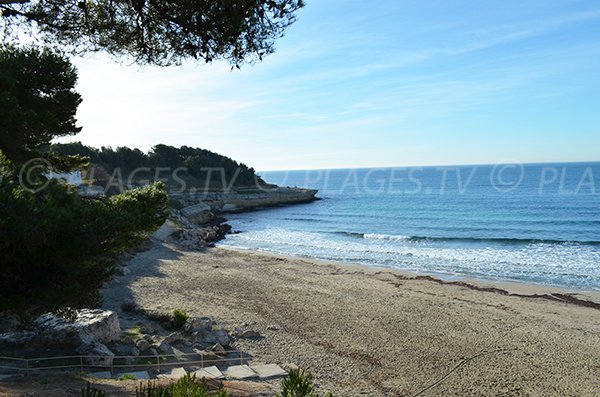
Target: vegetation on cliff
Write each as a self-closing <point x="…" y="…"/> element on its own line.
<point x="180" y="168"/>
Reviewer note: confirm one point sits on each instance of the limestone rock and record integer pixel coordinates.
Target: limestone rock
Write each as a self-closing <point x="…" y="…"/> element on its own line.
<point x="175" y="337"/>
<point x="219" y="336"/>
<point x="246" y="334"/>
<point x="198" y="324"/>
<point x="88" y="326"/>
<point x="100" y="356"/>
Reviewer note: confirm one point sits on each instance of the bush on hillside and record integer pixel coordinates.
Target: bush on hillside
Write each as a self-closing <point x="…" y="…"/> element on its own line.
<point x="58" y="247"/>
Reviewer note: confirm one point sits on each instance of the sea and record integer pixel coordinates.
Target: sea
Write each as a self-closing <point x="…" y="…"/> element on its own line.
<point x="531" y="223"/>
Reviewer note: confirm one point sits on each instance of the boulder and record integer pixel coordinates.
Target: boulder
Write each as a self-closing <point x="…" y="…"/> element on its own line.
<point x="246" y="334"/>
<point x="199" y="213"/>
<point x="198" y="324"/>
<point x="100" y="356"/>
<point x="165" y="348"/>
<point x="142" y="345"/>
<point x="175" y="337"/>
<point x="87" y="327"/>
<point x="218" y="336"/>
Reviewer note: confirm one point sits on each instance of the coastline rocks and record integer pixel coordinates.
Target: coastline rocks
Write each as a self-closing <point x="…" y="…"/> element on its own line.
<point x="215" y="233"/>
<point x="199" y="213"/>
<point x="197" y="237"/>
<point x="199" y="224"/>
<point x="245" y="199"/>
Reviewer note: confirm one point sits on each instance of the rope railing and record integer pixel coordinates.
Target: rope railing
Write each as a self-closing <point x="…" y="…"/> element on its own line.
<point x="142" y="362"/>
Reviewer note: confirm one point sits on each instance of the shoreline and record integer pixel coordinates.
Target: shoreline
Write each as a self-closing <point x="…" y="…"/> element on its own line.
<point x="589" y="298"/>
<point x="377" y="332"/>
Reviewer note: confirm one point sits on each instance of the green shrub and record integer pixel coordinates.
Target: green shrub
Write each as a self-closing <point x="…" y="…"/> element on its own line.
<point x="179" y="318"/>
<point x="187" y="386"/>
<point x="92" y="392"/>
<point x="298" y="383"/>
<point x="58" y="247"/>
<point x="127" y="377"/>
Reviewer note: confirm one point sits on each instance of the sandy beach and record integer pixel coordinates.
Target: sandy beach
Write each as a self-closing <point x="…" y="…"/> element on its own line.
<point x="372" y="332"/>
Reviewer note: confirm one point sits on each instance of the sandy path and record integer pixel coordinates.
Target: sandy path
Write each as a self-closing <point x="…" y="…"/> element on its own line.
<point x="370" y="333"/>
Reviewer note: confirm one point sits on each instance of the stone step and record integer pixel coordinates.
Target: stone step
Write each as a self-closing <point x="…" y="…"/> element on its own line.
<point x="176" y="373"/>
<point x="209" y="373"/>
<point x="266" y="371"/>
<point x="240" y="372"/>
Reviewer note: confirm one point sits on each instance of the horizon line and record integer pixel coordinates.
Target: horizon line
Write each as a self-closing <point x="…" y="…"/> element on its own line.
<point x="432" y="166"/>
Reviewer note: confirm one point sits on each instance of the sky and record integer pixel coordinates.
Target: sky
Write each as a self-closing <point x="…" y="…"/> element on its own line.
<point x="374" y="84"/>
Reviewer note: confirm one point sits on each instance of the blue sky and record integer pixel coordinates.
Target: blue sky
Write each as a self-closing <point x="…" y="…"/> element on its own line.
<point x="386" y="83"/>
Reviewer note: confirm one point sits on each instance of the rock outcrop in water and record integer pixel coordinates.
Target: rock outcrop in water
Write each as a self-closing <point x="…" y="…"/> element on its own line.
<point x="199" y="222"/>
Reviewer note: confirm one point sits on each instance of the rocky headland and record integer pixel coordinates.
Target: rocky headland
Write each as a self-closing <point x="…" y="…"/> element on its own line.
<point x="197" y="218"/>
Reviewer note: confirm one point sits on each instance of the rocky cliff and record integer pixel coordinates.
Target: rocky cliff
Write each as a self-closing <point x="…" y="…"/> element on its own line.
<point x="202" y="207"/>
<point x="199" y="224"/>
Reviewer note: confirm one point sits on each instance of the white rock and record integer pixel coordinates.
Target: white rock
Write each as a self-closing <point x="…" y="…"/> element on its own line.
<point x="88" y="327"/>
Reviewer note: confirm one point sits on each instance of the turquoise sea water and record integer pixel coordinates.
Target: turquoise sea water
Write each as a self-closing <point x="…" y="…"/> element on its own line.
<point x="510" y="222"/>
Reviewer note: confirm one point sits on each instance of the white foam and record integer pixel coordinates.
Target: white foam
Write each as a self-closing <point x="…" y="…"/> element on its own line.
<point x="385" y="237"/>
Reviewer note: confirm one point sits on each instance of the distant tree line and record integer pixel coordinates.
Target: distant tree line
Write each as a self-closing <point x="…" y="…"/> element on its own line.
<point x="196" y="167"/>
